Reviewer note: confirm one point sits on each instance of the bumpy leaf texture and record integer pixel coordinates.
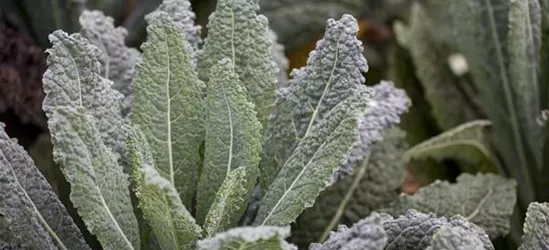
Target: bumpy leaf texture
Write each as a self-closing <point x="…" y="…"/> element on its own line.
<point x="306" y="17"/>
<point x="455" y="238"/>
<point x="536" y="230"/>
<point x="263" y="237"/>
<point x="495" y="36"/>
<point x="117" y="60"/>
<point x="237" y="32"/>
<point x="73" y="79"/>
<point x="279" y="57"/>
<point x="449" y="102"/>
<point x="233" y="137"/>
<point x="168" y="104"/>
<point x="367" y="234"/>
<point x="468" y="143"/>
<point x="32" y="215"/>
<point x="99" y="188"/>
<point x="374" y="184"/>
<point x="173" y="226"/>
<point x="485" y="199"/>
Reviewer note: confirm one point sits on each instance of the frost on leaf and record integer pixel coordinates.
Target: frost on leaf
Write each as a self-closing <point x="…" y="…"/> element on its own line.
<point x="31" y="214"/>
<point x="263" y="237"/>
<point x="172" y="224"/>
<point x="168" y="104"/>
<point x="374" y="184"/>
<point x="117" y="60"/>
<point x="485" y="199"/>
<point x="233" y="138"/>
<point x="536" y="227"/>
<point x="367" y="234"/>
<point x="99" y="188"/>
<point x="237" y="32"/>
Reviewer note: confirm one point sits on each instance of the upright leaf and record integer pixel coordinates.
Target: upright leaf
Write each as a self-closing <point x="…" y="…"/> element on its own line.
<point x="183" y="16"/>
<point x="374" y="184"/>
<point x="235" y="31"/>
<point x="279" y="57"/>
<point x="536" y="232"/>
<point x="468" y="143"/>
<point x="173" y="226"/>
<point x="264" y="237"/>
<point x="99" y="188"/>
<point x="168" y="104"/>
<point x="30" y="211"/>
<point x="73" y="79"/>
<point x="485" y="199"/>
<point x="233" y="138"/>
<point x="117" y="60"/>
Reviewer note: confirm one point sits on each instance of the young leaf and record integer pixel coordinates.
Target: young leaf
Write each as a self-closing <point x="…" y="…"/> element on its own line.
<point x="450" y="105"/>
<point x="99" y="188"/>
<point x="332" y="148"/>
<point x="30" y="211"/>
<point x="117" y="60"/>
<point x="264" y="237"/>
<point x="467" y="142"/>
<point x="236" y="32"/>
<point x="173" y="226"/>
<point x="181" y="13"/>
<point x="233" y="138"/>
<point x="73" y="79"/>
<point x="227" y="206"/>
<point x="168" y="104"/>
<point x="288" y="13"/>
<point x="536" y="232"/>
<point x="485" y="199"/>
<point x="374" y="183"/>
<point x="367" y="234"/>
<point x="416" y="231"/>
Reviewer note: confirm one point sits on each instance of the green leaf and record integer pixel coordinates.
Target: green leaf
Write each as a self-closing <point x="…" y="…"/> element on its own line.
<point x="483" y="31"/>
<point x="455" y="238"/>
<point x="449" y="101"/>
<point x="73" y="79"/>
<point x="468" y="143"/>
<point x="227" y="206"/>
<point x="333" y="74"/>
<point x="485" y="199"/>
<point x="367" y="234"/>
<point x="30" y="211"/>
<point x="172" y="224"/>
<point x="168" y="104"/>
<point x="279" y="57"/>
<point x="233" y="138"/>
<point x="305" y="28"/>
<point x="263" y="237"/>
<point x="374" y="184"/>
<point x="99" y="188"/>
<point x="236" y="32"/>
<point x="536" y="232"/>
<point x="117" y="60"/>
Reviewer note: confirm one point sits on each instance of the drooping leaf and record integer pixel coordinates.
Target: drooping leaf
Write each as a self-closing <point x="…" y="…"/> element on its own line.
<point x="416" y="231"/>
<point x="263" y="237"/>
<point x="485" y="199"/>
<point x="117" y="60"/>
<point x="468" y="142"/>
<point x="290" y="13"/>
<point x="30" y="211"/>
<point x="168" y="104"/>
<point x="99" y="188"/>
<point x="333" y="74"/>
<point x="374" y="183"/>
<point x="227" y="206"/>
<point x="233" y="138"/>
<point x="235" y="31"/>
<point x="450" y="106"/>
<point x="73" y="79"/>
<point x="172" y="224"/>
<point x="536" y="231"/>
<point x="367" y="234"/>
<point x="483" y="32"/>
